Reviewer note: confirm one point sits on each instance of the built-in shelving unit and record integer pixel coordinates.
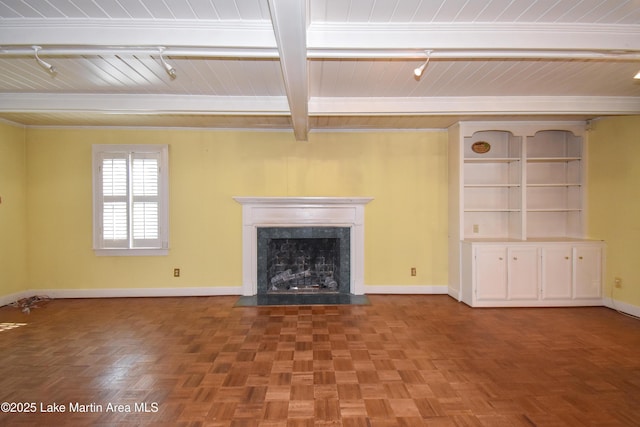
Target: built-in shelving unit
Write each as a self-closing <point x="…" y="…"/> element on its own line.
<point x="554" y="184"/>
<point x="519" y="185"/>
<point x="492" y="185"/>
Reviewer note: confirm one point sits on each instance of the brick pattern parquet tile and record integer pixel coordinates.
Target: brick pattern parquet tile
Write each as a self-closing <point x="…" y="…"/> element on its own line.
<point x="402" y="361"/>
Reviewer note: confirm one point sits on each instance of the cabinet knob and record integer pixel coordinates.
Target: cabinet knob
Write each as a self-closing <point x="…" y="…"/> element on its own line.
<point x="515" y="258"/>
<point x="579" y="257"/>
<point x="566" y="257"/>
<point x="500" y="258"/>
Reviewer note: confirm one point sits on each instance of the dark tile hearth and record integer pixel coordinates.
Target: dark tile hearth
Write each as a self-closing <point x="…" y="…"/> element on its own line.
<point x="302" y="299"/>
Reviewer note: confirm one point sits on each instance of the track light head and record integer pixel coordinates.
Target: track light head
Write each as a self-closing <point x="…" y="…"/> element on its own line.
<point x="637" y="76"/>
<point x="167" y="67"/>
<point x="50" y="68"/>
<point x="418" y="71"/>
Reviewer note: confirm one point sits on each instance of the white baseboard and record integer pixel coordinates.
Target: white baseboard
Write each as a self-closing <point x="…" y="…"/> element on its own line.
<point x="8" y="299"/>
<point x="197" y="291"/>
<point x="406" y="289"/>
<point x="237" y="290"/>
<point x="123" y="293"/>
<point x="623" y="307"/>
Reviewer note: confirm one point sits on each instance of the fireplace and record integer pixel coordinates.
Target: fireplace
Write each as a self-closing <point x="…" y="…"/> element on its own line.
<point x="331" y="217"/>
<point x="303" y="260"/>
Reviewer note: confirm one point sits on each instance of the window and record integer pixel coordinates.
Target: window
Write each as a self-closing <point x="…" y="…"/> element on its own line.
<point x="130" y="191"/>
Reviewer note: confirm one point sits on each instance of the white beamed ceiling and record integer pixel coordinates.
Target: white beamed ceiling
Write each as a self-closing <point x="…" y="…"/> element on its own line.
<point x="317" y="65"/>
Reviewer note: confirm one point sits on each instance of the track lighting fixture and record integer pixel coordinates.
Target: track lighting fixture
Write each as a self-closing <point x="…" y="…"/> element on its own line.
<point x="637" y="76"/>
<point x="168" y="68"/>
<point x="50" y="68"/>
<point x="418" y="71"/>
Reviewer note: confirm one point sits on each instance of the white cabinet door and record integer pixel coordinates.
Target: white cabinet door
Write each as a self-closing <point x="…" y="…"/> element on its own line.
<point x="557" y="272"/>
<point x="522" y="273"/>
<point x="587" y="266"/>
<point x="491" y="273"/>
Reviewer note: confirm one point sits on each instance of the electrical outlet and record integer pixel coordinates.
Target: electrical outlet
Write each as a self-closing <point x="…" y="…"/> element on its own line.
<point x="476" y="228"/>
<point x="617" y="282"/>
<point x="176" y="272"/>
<point x="413" y="271"/>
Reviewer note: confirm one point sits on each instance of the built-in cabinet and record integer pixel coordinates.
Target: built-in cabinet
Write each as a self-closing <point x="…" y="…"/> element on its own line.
<point x="516" y="215"/>
<point x="531" y="274"/>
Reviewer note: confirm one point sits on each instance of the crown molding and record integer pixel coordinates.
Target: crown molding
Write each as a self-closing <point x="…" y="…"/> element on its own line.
<point x="144" y="104"/>
<point x="326" y="106"/>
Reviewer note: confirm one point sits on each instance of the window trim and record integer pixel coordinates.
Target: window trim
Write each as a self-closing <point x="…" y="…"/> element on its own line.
<point x="98" y="152"/>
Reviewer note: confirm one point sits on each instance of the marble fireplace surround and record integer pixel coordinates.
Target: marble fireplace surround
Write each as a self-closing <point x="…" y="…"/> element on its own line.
<point x="301" y="212"/>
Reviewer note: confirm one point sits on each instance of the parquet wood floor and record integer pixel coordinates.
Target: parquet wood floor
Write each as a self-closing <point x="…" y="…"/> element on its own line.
<point x="401" y="361"/>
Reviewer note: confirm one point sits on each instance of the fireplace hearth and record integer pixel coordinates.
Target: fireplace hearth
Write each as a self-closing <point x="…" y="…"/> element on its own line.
<point x="303" y="260"/>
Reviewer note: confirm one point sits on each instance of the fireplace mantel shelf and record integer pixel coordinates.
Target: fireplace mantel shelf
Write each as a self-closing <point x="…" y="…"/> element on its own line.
<point x="303" y="200"/>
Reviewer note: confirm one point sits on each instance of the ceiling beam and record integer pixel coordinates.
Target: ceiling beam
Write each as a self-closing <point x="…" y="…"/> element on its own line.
<point x="486" y="53"/>
<point x="326" y="106"/>
<point x="121" y="32"/>
<point x="474" y="105"/>
<point x="472" y="36"/>
<point x="289" y="19"/>
<point x="144" y="104"/>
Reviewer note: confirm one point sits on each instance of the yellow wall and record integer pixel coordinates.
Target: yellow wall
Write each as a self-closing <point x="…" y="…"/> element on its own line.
<point x="614" y="201"/>
<point x="46" y="211"/>
<point x="406" y="224"/>
<point x="13" y="210"/>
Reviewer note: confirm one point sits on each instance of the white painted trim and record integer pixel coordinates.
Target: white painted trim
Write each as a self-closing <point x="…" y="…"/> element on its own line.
<point x="129" y="152"/>
<point x="206" y="34"/>
<point x="512" y="36"/>
<point x="406" y="289"/>
<point x="178" y="128"/>
<point x="622" y="307"/>
<point x="205" y="105"/>
<point x="112" y="103"/>
<point x="596" y="302"/>
<point x="8" y="299"/>
<point x="377" y="130"/>
<point x="296" y="212"/>
<point x="473" y="105"/>
<point x="131" y="252"/>
<point x="289" y="21"/>
<point x="453" y="293"/>
<point x="237" y="290"/>
<point x="124" y="293"/>
<point x="522" y="128"/>
<point x="296" y="202"/>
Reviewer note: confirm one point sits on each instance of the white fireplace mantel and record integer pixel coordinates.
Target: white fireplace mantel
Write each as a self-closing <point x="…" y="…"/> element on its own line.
<point x="297" y="212"/>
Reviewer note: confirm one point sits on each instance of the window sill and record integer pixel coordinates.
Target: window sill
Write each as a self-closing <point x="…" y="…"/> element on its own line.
<point x="131" y="252"/>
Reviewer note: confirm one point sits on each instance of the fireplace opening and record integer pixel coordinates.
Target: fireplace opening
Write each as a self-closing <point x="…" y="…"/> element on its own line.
<point x="303" y="260"/>
<point x="303" y="265"/>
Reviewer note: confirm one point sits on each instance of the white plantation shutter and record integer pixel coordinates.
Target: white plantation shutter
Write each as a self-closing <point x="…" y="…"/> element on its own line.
<point x="115" y="216"/>
<point x="130" y="199"/>
<point x="145" y="173"/>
